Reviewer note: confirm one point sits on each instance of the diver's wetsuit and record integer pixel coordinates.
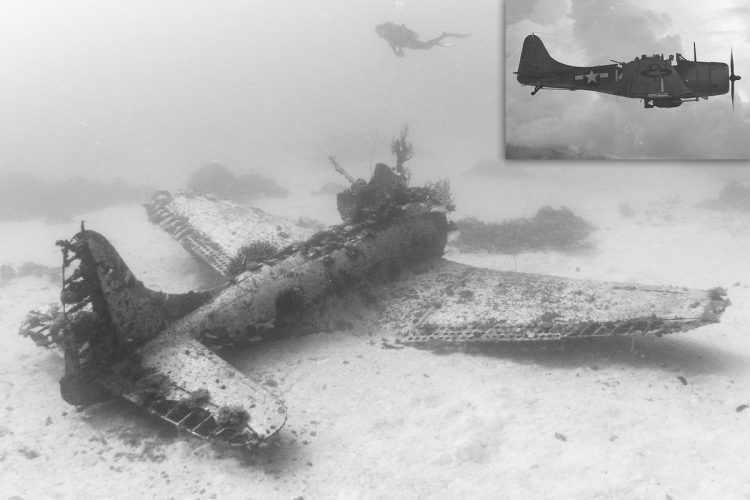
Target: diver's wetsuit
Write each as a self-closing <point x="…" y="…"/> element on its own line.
<point x="399" y="37"/>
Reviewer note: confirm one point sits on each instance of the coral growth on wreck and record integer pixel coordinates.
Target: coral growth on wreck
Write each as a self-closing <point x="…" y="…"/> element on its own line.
<point x="234" y="417"/>
<point x="388" y="193"/>
<point x="254" y="253"/>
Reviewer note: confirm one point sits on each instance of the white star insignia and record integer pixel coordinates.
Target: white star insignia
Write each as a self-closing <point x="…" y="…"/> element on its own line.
<point x="591" y="77"/>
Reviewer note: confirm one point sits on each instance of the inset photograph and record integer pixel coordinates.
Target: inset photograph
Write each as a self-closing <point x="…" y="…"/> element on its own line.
<point x="626" y="79"/>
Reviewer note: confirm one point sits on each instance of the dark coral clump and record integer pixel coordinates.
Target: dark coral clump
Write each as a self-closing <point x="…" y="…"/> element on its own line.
<point x="733" y="196"/>
<point x="218" y="180"/>
<point x="549" y="229"/>
<point x="254" y="253"/>
<point x="387" y="194"/>
<point x="45" y="328"/>
<point x="152" y="386"/>
<point x="403" y="150"/>
<point x="7" y="273"/>
<point x="234" y="417"/>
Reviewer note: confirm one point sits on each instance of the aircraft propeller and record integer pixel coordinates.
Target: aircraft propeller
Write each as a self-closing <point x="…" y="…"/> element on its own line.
<point x="733" y="78"/>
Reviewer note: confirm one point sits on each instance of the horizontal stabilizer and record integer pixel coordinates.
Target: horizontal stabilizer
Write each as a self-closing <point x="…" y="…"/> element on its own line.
<point x="190" y="387"/>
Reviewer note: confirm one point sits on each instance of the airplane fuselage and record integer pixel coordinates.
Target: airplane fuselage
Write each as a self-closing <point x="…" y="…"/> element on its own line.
<point x="659" y="81"/>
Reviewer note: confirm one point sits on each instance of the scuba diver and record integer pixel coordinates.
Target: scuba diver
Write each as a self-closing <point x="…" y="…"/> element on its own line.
<point x="399" y="37"/>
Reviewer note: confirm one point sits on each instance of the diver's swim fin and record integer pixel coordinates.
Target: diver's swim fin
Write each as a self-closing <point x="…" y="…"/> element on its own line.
<point x="453" y="35"/>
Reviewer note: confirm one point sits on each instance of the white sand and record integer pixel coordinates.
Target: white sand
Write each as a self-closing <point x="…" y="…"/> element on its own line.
<point x="586" y="420"/>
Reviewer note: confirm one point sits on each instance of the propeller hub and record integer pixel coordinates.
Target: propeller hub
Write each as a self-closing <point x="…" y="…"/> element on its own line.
<point x="734" y="77"/>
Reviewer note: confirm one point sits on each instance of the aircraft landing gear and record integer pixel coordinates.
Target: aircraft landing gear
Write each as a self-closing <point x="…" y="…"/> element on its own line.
<point x="537" y="88"/>
<point x="662" y="102"/>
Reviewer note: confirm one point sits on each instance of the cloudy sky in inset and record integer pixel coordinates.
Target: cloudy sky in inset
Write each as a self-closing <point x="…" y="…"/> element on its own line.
<point x="589" y="32"/>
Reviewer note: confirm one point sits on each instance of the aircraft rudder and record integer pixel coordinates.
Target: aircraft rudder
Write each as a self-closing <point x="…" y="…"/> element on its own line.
<point x="535" y="59"/>
<point x="116" y="294"/>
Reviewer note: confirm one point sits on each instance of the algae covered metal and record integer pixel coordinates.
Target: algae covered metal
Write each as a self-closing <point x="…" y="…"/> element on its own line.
<point x="120" y="338"/>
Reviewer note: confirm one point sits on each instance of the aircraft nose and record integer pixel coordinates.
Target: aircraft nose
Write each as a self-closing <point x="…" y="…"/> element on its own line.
<point x="720" y="78"/>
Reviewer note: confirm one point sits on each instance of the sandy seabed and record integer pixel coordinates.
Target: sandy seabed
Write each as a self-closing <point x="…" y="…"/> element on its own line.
<point x="655" y="418"/>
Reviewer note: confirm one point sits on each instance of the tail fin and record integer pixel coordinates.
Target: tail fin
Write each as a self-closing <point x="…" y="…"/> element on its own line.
<point x="106" y="313"/>
<point x="535" y="61"/>
<point x="103" y="280"/>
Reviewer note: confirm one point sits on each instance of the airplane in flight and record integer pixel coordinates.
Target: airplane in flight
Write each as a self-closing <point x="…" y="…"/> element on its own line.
<point x="660" y="82"/>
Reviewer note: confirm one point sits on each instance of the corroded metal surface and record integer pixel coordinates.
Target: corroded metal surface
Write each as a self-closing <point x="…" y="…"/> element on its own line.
<point x="215" y="230"/>
<point x="108" y="330"/>
<point x="451" y="302"/>
<point x="189" y="367"/>
<point x="136" y="312"/>
<point x="277" y="291"/>
<point x="158" y="371"/>
<point x="143" y="345"/>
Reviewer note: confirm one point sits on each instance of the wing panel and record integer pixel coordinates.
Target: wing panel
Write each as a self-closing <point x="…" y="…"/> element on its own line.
<point x="189" y="386"/>
<point x="457" y="303"/>
<point x="214" y="230"/>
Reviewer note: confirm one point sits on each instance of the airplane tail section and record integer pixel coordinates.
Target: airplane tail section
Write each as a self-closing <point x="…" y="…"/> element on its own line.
<point x="114" y="334"/>
<point x="104" y="308"/>
<point x="536" y="61"/>
<point x="103" y="280"/>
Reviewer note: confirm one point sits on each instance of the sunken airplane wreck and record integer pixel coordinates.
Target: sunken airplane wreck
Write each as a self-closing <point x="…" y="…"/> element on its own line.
<point x="382" y="265"/>
<point x="661" y="83"/>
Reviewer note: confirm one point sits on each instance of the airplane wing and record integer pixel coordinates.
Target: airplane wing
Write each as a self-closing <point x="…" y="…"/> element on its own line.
<point x="187" y="385"/>
<point x="452" y="302"/>
<point x="214" y="230"/>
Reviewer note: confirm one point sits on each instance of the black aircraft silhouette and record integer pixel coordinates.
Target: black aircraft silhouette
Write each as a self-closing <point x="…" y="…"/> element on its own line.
<point x="661" y="83"/>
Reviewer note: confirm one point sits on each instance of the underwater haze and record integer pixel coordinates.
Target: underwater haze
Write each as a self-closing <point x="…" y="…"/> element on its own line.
<point x="149" y="91"/>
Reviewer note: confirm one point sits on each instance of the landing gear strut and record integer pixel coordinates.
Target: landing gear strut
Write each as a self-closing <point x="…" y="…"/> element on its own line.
<point x="537" y="88"/>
